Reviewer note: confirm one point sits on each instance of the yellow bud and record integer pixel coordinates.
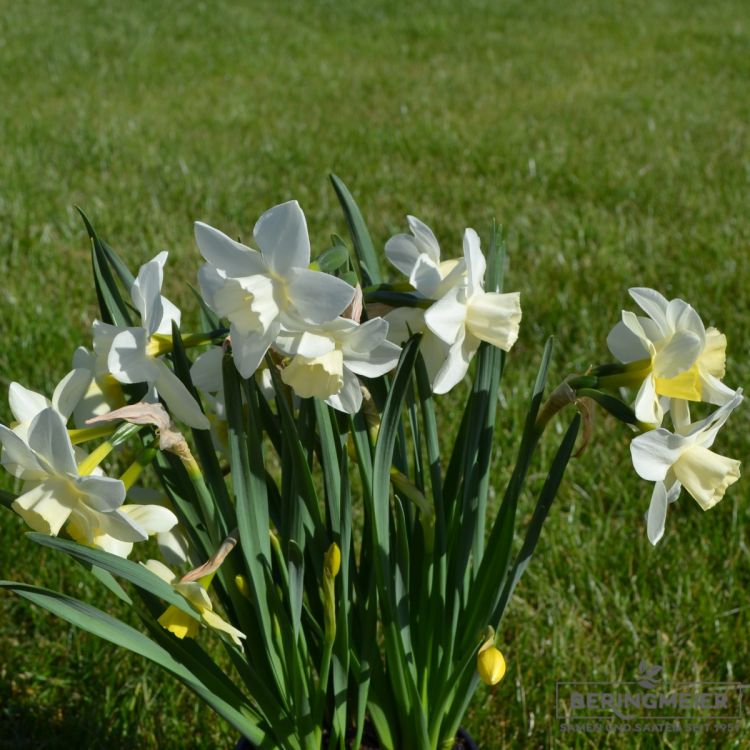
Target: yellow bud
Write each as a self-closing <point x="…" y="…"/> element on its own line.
<point x="490" y="665"/>
<point x="332" y="560"/>
<point x="242" y="586"/>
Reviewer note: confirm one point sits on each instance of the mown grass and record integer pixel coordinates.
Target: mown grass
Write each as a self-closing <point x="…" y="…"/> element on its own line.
<point x="611" y="141"/>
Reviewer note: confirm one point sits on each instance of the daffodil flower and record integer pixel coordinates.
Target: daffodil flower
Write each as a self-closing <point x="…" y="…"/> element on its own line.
<point x="55" y="492"/>
<point x="467" y="315"/>
<point x="351" y="350"/>
<point x="682" y="459"/>
<point x="131" y="354"/>
<point x="182" y="624"/>
<point x="681" y="359"/>
<point x="261" y="293"/>
<point x="154" y="520"/>
<point x="417" y="256"/>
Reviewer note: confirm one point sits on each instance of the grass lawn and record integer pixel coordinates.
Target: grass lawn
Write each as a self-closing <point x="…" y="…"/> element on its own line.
<point x="612" y="141"/>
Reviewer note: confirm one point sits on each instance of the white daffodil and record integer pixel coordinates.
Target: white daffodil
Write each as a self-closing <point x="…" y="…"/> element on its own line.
<point x="179" y="622"/>
<point x="131" y="354"/>
<point x="25" y="404"/>
<point x="682" y="360"/>
<point x="683" y="459"/>
<point x="467" y="315"/>
<point x="154" y="520"/>
<point x="352" y="350"/>
<point x="260" y="293"/>
<point x="55" y="492"/>
<point x="417" y="255"/>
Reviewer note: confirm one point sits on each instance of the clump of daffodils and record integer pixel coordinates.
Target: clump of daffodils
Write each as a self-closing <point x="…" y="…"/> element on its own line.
<point x="673" y="361"/>
<point x="332" y="371"/>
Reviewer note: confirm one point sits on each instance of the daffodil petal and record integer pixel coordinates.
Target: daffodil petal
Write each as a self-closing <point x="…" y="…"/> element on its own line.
<point x="281" y="234"/>
<point x="206" y="370"/>
<point x="222" y="252"/>
<point x="349" y="397"/>
<point x="127" y="360"/>
<point x="248" y="351"/>
<point x="654" y="452"/>
<point x="446" y="317"/>
<point x="18" y="458"/>
<point x="654" y="305"/>
<point x="424" y="238"/>
<point x="42" y="508"/>
<point x="153" y="519"/>
<point x="657" y="513"/>
<point x="625" y="345"/>
<point x="70" y="390"/>
<point x="317" y="297"/>
<point x="178" y="398"/>
<point x="48" y="438"/>
<point x="217" y="623"/>
<point x="24" y="403"/>
<point x="402" y="251"/>
<point x="146" y="292"/>
<point x="475" y="262"/>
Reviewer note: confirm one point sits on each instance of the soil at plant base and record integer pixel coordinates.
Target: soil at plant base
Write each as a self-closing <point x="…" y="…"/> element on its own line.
<point x="370" y="740"/>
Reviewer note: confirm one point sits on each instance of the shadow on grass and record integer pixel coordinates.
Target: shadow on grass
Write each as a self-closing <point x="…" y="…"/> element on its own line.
<point x="26" y="724"/>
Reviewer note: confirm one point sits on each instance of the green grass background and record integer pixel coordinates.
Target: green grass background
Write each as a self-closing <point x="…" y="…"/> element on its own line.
<point x="609" y="138"/>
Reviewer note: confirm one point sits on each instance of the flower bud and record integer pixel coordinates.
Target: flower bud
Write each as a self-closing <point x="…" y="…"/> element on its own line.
<point x="332" y="560"/>
<point x="490" y="665"/>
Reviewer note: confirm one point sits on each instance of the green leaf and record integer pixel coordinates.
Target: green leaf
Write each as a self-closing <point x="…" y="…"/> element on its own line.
<point x="131" y="571"/>
<point x="112" y="306"/>
<point x="494" y="566"/>
<point x="213" y="497"/>
<point x="332" y="259"/>
<point x="210" y="321"/>
<point x="251" y="501"/>
<point x="104" y="626"/>
<point x="617" y="408"/>
<point x="296" y="573"/>
<point x="365" y="260"/>
<point x="7" y="498"/>
<point x="544" y="503"/>
<point x="399" y="658"/>
<point x="123" y="272"/>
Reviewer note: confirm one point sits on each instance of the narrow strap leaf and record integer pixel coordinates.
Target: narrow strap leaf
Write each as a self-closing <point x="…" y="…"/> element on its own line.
<point x="365" y="259"/>
<point x="114" y="310"/>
